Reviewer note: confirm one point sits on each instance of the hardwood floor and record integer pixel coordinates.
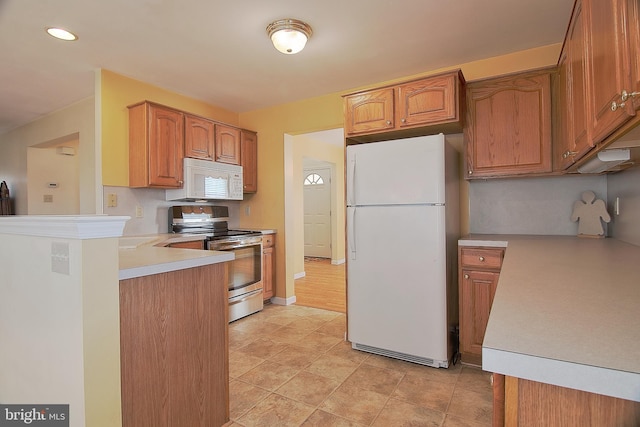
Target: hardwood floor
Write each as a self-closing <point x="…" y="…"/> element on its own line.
<point x="323" y="285"/>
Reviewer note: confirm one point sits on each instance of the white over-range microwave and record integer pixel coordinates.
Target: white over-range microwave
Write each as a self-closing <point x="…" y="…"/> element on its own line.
<point x="207" y="180"/>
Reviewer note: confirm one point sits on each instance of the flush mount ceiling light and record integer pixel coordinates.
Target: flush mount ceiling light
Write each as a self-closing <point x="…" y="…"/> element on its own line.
<point x="289" y="35"/>
<point x="62" y="34"/>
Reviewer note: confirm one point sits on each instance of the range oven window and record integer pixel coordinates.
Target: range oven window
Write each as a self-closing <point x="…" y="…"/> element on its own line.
<point x="245" y="270"/>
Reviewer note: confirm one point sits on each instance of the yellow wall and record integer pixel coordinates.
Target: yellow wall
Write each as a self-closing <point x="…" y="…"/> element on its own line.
<point x="275" y="159"/>
<point x="272" y="124"/>
<point x="116" y="93"/>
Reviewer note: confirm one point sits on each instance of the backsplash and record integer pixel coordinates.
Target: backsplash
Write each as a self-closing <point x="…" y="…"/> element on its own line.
<point x="530" y="205"/>
<point x="155" y="209"/>
<point x="625" y="186"/>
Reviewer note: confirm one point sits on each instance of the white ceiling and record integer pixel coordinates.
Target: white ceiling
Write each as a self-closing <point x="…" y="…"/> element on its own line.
<point x="219" y="52"/>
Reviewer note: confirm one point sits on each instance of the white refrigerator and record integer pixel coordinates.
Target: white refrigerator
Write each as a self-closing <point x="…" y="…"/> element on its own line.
<point x="402" y="231"/>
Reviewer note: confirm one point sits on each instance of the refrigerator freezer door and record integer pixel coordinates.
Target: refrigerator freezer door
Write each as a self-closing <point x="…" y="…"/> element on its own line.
<point x="403" y="171"/>
<point x="397" y="281"/>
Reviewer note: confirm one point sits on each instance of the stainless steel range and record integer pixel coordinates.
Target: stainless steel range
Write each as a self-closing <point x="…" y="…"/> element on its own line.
<point x="245" y="272"/>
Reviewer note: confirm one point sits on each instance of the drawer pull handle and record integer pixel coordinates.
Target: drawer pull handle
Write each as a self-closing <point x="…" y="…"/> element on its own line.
<point x="466" y="276"/>
<point x="481" y="259"/>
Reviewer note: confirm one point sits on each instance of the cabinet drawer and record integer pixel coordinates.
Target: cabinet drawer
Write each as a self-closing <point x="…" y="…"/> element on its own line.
<point x="481" y="257"/>
<point x="267" y="240"/>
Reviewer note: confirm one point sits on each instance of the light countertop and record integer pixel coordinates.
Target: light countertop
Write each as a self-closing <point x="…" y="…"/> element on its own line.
<point x="566" y="312"/>
<point x="146" y="255"/>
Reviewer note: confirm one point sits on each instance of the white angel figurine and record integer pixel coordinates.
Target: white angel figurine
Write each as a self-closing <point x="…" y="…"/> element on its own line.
<point x="589" y="213"/>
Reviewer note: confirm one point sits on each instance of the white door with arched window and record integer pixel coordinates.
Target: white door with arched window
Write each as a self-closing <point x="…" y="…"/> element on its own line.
<point x="317" y="212"/>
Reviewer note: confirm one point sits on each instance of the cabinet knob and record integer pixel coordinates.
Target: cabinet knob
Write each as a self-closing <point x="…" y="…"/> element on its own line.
<point x="470" y="172"/>
<point x="466" y="276"/>
<point x="615" y="105"/>
<point x="389" y="122"/>
<point x="624" y="95"/>
<point x="403" y="120"/>
<point x="481" y="259"/>
<point x="569" y="153"/>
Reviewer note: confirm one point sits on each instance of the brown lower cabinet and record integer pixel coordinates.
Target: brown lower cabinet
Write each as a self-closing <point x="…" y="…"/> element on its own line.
<point x="478" y="279"/>
<point x="268" y="263"/>
<point x="524" y="403"/>
<point x="174" y="348"/>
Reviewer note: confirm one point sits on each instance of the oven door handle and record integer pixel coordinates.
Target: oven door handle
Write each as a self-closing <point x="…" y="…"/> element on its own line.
<point x="244" y="297"/>
<point x="237" y="244"/>
<point x="246" y="285"/>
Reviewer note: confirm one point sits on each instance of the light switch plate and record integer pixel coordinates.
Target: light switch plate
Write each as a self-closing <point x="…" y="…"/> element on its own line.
<point x="60" y="257"/>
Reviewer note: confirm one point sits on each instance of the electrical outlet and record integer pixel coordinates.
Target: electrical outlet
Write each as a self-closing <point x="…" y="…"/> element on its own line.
<point x="247" y="210"/>
<point x="47" y="198"/>
<point x="112" y="200"/>
<point x="139" y="212"/>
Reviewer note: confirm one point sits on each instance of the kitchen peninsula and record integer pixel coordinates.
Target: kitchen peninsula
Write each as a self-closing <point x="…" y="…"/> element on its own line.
<point x="174" y="336"/>
<point x="563" y="332"/>
<point x="61" y="298"/>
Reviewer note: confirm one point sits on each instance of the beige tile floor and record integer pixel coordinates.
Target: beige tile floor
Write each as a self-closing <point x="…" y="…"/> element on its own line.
<point x="290" y="366"/>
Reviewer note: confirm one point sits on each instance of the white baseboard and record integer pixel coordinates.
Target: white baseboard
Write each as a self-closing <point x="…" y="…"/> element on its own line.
<point x="283" y="301"/>
<point x="338" y="261"/>
<point x="299" y="275"/>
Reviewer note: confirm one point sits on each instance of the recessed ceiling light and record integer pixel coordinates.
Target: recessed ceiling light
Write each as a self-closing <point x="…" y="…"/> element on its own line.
<point x="61" y="34"/>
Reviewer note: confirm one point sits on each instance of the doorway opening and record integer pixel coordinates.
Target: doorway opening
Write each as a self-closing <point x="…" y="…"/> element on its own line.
<point x="317" y="194"/>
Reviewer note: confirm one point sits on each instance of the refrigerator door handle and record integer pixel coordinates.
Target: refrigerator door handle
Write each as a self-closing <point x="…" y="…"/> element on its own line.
<point x="351" y="226"/>
<point x="351" y="176"/>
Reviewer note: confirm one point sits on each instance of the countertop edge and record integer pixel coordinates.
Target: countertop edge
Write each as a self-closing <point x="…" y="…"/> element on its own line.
<point x="147" y="269"/>
<point x="592" y="379"/>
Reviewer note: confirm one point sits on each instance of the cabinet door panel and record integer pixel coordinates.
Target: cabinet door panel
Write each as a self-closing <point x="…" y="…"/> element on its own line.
<point x="608" y="65"/>
<point x="580" y="142"/>
<point x="369" y="111"/>
<point x="574" y="140"/>
<point x="198" y="138"/>
<point x="267" y="273"/>
<point x="509" y="126"/>
<point x="249" y="161"/>
<point x="427" y="101"/>
<point x="634" y="36"/>
<point x="478" y="289"/>
<point x="227" y="144"/>
<point x="166" y="147"/>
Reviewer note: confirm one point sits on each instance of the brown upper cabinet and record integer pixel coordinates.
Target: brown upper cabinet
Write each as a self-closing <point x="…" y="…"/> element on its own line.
<point x="634" y="37"/>
<point x="161" y="137"/>
<point x="249" y="160"/>
<point x="199" y="136"/>
<point x="227" y="144"/>
<point x="416" y="107"/>
<point x="599" y="77"/>
<point x="508" y="127"/>
<point x="572" y="136"/>
<point x="156" y="146"/>
<point x="609" y="65"/>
